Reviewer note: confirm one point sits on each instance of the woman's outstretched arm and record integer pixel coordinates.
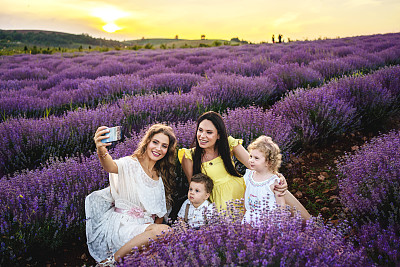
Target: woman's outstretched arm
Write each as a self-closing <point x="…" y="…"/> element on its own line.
<point x="242" y="155"/>
<point x="294" y="203"/>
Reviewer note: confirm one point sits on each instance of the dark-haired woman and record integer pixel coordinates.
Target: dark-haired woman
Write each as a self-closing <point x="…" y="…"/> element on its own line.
<point x="212" y="152"/>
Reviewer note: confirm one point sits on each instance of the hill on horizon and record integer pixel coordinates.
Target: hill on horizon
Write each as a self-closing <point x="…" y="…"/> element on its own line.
<point x="42" y="38"/>
<point x="18" y="38"/>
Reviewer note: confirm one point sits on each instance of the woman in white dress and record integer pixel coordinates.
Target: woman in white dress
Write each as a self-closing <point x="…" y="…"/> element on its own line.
<point x="130" y="211"/>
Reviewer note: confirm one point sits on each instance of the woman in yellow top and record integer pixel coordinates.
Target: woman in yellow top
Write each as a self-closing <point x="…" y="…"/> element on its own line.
<point x="212" y="154"/>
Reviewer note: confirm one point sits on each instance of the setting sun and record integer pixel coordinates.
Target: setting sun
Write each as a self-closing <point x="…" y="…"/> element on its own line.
<point x="109" y="15"/>
<point x="111" y="27"/>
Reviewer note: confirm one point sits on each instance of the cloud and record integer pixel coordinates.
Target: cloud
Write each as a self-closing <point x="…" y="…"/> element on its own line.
<point x="285" y="19"/>
<point x="359" y="3"/>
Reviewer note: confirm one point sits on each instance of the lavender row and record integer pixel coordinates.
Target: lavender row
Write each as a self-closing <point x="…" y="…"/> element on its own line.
<point x="280" y="240"/>
<point x="32" y="102"/>
<point x="33" y="141"/>
<point x="52" y="69"/>
<point x="353" y="103"/>
<point x="47" y="77"/>
<point x="360" y="102"/>
<point x="134" y="112"/>
<point x="29" y="142"/>
<point x="369" y="183"/>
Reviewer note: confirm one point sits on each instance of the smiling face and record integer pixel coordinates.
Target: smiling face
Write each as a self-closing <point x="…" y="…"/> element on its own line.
<point x="257" y="161"/>
<point x="197" y="193"/>
<point x="157" y="147"/>
<point x="207" y="134"/>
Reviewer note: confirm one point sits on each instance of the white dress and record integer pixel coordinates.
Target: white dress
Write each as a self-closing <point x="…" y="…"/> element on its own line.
<point x="123" y="210"/>
<point x="258" y="197"/>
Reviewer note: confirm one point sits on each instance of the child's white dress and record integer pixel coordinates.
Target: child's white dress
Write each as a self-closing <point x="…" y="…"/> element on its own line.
<point x="123" y="210"/>
<point x="258" y="197"/>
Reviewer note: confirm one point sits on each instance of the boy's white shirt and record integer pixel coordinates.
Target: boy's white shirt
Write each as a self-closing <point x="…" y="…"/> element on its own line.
<point x="195" y="215"/>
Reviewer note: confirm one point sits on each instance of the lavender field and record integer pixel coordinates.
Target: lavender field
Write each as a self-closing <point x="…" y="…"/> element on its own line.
<point x="303" y="94"/>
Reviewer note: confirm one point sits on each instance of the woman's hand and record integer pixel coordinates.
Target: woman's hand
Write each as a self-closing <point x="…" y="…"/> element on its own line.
<point x="282" y="186"/>
<point x="99" y="135"/>
<point x="105" y="159"/>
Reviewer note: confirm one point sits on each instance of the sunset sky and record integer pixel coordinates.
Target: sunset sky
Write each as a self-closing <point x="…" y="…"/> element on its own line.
<point x="251" y="20"/>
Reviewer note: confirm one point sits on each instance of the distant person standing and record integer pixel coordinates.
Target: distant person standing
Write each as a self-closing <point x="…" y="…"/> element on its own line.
<point x="280" y="38"/>
<point x="273" y="38"/>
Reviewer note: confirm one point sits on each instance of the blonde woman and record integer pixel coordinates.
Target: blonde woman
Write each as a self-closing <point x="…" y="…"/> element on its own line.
<point x="130" y="211"/>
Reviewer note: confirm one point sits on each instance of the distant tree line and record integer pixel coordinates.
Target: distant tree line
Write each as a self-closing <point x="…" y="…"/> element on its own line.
<point x="52" y="39"/>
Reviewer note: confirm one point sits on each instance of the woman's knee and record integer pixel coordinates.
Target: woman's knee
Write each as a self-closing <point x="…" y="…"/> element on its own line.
<point x="158" y="229"/>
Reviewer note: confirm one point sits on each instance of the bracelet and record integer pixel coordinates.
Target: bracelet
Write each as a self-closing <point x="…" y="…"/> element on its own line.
<point x="102" y="156"/>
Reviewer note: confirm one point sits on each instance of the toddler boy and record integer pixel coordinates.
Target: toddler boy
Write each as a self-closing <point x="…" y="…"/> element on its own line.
<point x="194" y="209"/>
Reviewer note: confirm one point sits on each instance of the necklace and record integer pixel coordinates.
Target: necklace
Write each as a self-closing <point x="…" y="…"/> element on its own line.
<point x="151" y="173"/>
<point x="208" y="157"/>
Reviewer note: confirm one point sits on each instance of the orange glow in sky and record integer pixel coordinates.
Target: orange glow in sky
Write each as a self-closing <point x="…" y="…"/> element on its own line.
<point x="251" y="20"/>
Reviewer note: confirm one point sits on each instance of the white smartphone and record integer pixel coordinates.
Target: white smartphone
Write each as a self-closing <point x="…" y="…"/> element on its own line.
<point x="113" y="135"/>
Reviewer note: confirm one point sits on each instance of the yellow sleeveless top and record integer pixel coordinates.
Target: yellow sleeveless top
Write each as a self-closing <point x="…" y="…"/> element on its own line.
<point x="226" y="187"/>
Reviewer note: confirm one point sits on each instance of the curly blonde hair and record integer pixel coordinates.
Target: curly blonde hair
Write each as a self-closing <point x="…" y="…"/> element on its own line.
<point x="270" y="150"/>
<point x="165" y="167"/>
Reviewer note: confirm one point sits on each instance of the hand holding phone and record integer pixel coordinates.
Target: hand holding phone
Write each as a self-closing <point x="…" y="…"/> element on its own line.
<point x="113" y="135"/>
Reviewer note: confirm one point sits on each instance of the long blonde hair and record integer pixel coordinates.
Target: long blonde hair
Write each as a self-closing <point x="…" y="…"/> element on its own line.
<point x="165" y="166"/>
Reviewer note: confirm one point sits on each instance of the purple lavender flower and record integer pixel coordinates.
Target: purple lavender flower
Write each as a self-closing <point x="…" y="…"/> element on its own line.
<point x="291" y="76"/>
<point x="369" y="183"/>
<point x="172" y="82"/>
<point x="233" y="91"/>
<point x="225" y="241"/>
<point x="316" y="115"/>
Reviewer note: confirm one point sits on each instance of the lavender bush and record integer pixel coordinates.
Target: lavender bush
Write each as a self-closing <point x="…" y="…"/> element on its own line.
<point x="375" y="104"/>
<point x="30" y="142"/>
<point x="299" y="64"/>
<point x="172" y="82"/>
<point x="223" y="91"/>
<point x="352" y="103"/>
<point x="249" y="123"/>
<point x="389" y="78"/>
<point x="279" y="240"/>
<point x="33" y="102"/>
<point x="369" y="183"/>
<point x="291" y="76"/>
<point x="316" y="116"/>
<point x="27" y="143"/>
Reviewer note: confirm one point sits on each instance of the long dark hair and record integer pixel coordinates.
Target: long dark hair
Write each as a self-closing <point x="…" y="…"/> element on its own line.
<point x="221" y="144"/>
<point x="165" y="166"/>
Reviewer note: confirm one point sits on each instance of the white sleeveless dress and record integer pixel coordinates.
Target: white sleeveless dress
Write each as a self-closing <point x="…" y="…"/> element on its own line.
<point x="123" y="210"/>
<point x="258" y="197"/>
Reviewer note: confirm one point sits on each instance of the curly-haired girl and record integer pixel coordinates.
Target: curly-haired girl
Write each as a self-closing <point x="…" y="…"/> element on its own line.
<point x="264" y="161"/>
